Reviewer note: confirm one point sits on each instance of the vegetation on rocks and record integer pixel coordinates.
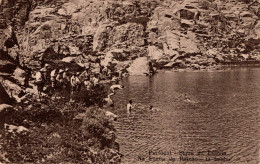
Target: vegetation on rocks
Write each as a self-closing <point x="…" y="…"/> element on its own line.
<point x="126" y="36"/>
<point x="59" y="132"/>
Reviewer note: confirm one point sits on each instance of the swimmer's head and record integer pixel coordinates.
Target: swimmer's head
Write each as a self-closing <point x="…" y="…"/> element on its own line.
<point x="151" y="107"/>
<point x="122" y="86"/>
<point x="130" y="101"/>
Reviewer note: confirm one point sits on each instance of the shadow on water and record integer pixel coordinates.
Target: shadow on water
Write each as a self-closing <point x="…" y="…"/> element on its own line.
<point x="223" y="114"/>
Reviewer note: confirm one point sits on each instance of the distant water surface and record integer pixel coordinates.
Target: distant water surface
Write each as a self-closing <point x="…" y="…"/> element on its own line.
<point x="223" y="116"/>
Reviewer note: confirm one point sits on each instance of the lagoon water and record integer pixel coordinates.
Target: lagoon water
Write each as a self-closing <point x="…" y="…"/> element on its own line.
<point x="221" y="122"/>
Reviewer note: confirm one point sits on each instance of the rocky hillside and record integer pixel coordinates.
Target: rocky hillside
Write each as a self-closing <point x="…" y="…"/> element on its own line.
<point x="188" y="33"/>
<point x="128" y="36"/>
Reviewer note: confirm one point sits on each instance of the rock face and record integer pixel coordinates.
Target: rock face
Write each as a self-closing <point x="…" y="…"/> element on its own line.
<point x="5" y="112"/>
<point x="167" y="31"/>
<point x="4" y="98"/>
<point x="139" y="67"/>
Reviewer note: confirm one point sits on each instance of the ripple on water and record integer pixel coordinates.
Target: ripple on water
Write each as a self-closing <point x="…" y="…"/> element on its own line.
<point x="224" y="114"/>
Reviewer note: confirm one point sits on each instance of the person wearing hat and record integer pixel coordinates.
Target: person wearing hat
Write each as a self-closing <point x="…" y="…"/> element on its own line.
<point x="53" y="79"/>
<point x="39" y="81"/>
<point x="59" y="78"/>
<point x="74" y="82"/>
<point x="87" y="83"/>
<point x="46" y="73"/>
<point x="78" y="82"/>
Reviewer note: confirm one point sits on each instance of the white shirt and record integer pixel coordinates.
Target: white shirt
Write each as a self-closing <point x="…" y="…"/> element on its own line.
<point x="38" y="76"/>
<point x="95" y="81"/>
<point x="74" y="80"/>
<point x="53" y="73"/>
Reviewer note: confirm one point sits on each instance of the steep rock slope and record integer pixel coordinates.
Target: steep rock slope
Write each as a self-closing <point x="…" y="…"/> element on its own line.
<point x="188" y="33"/>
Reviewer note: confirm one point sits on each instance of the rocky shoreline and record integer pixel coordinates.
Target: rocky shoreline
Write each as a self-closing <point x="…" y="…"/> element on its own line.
<point x="127" y="37"/>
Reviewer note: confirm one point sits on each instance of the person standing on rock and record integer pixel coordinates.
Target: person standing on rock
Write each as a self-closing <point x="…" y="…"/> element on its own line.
<point x="95" y="80"/>
<point x="60" y="79"/>
<point x="46" y="67"/>
<point x="39" y="81"/>
<point x="78" y="82"/>
<point x="74" y="81"/>
<point x="87" y="83"/>
<point x="66" y="79"/>
<point x="53" y="79"/>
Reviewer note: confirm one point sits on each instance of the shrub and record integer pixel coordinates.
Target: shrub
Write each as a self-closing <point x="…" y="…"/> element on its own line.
<point x="56" y="136"/>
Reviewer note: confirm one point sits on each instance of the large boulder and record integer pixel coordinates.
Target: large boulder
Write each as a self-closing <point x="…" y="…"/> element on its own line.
<point x="40" y="12"/>
<point x="114" y="56"/>
<point x="188" y="43"/>
<point x="68" y="59"/>
<point x="6" y="112"/>
<point x="5" y="98"/>
<point x="13" y="90"/>
<point x="108" y="59"/>
<point x="4" y="108"/>
<point x="68" y="8"/>
<point x="15" y="129"/>
<point x="126" y="35"/>
<point x="140" y="66"/>
<point x="155" y="53"/>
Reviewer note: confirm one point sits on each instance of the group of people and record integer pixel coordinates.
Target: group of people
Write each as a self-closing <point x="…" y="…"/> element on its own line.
<point x="72" y="81"/>
<point x="62" y="79"/>
<point x="130" y="106"/>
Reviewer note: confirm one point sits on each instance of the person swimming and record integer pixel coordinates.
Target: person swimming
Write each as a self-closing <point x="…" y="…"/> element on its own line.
<point x="151" y="108"/>
<point x="115" y="87"/>
<point x="186" y="97"/>
<point x="129" y="107"/>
